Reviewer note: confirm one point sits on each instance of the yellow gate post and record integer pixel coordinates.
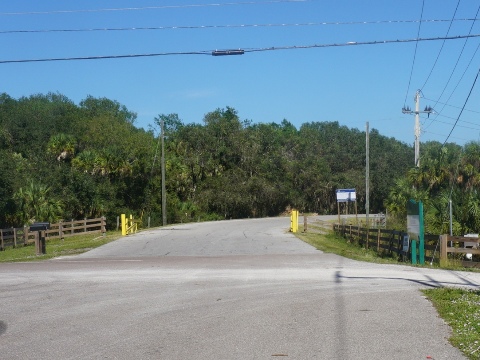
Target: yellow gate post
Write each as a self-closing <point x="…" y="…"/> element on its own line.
<point x="294" y="221"/>
<point x="124" y="224"/>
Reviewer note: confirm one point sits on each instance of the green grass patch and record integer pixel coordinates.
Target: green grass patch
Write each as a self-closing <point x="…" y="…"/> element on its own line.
<point x="331" y="243"/>
<point x="57" y="247"/>
<point x="460" y="309"/>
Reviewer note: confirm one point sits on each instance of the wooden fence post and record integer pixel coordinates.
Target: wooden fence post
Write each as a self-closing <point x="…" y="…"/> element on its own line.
<point x="390" y="244"/>
<point x="1" y="240"/>
<point x="443" y="249"/>
<point x="60" y="230"/>
<point x="38" y="246"/>
<point x="378" y="241"/>
<point x="304" y="223"/>
<point x="14" y="237"/>
<point x="25" y="235"/>
<point x="103" y="225"/>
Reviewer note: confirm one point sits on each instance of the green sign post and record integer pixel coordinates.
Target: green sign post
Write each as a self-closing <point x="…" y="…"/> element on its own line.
<point x="416" y="230"/>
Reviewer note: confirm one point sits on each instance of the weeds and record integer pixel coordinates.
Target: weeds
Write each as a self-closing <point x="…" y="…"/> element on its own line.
<point x="461" y="311"/>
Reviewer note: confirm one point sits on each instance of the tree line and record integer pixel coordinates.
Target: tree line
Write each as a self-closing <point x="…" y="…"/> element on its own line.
<point x="447" y="181"/>
<point x="60" y="160"/>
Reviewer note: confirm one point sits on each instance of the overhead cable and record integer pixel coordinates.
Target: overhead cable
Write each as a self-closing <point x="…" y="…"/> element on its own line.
<point x="461" y="111"/>
<point x="246" y="50"/>
<point x="153" y="7"/>
<point x="414" y="54"/>
<point x="453" y="71"/>
<point x="458" y="60"/>
<point x="441" y="48"/>
<point x="186" y="27"/>
<point x="453" y="106"/>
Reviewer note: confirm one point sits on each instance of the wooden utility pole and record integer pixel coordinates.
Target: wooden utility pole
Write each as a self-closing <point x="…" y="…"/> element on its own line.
<point x="164" y="192"/>
<point x="367" y="174"/>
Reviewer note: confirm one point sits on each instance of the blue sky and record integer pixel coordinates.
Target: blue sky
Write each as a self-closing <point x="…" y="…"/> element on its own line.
<point x="348" y="84"/>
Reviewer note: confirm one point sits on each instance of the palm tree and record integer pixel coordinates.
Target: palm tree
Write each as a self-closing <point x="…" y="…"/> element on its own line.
<point x="62" y="146"/>
<point x="36" y="204"/>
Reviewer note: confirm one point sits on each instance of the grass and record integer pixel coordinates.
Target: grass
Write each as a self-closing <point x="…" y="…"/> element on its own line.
<point x="461" y="311"/>
<point x="331" y="243"/>
<point x="57" y="247"/>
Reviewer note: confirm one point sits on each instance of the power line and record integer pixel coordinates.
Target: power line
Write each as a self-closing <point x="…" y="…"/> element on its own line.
<point x="441" y="48"/>
<point x="153" y="7"/>
<point x="461" y="121"/>
<point x="182" y="27"/>
<point x="246" y="50"/>
<point x="453" y="106"/>
<point x="442" y="135"/>
<point x="354" y="43"/>
<point x="456" y="63"/>
<point x="414" y="54"/>
<point x="461" y="77"/>
<point x="105" y="57"/>
<point x="465" y="104"/>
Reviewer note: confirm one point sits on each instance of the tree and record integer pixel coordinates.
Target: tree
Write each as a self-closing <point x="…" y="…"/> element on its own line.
<point x="62" y="146"/>
<point x="36" y="204"/>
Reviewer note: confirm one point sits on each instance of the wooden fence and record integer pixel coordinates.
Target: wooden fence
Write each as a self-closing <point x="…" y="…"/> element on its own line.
<point x="388" y="242"/>
<point x="459" y="245"/>
<point x="23" y="236"/>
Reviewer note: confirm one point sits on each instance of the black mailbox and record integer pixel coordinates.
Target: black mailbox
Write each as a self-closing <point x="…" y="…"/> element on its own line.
<point x="40" y="243"/>
<point x="40" y="226"/>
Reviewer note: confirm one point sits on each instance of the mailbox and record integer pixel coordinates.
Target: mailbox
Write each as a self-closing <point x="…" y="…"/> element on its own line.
<point x="40" y="226"/>
<point x="40" y="243"/>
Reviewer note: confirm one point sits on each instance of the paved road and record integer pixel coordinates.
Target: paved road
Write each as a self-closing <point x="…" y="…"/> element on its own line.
<point x="221" y="290"/>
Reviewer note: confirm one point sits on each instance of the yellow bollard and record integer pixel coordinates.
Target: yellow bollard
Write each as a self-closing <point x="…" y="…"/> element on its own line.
<point x="124" y="224"/>
<point x="294" y="221"/>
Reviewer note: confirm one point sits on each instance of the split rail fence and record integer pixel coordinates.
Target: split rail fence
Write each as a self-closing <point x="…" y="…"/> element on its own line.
<point x="23" y="236"/>
<point x="387" y="242"/>
<point x="460" y="245"/>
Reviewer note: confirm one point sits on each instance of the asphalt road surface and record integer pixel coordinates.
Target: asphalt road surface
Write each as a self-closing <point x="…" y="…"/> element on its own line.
<point x="221" y="290"/>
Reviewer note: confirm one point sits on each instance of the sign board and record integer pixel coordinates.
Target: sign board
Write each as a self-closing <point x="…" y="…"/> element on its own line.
<point x="346" y="195"/>
<point x="415" y="228"/>
<point x="413" y="218"/>
<point x="405" y="243"/>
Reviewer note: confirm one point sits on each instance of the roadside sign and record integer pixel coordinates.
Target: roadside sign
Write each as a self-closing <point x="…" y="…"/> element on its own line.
<point x="346" y="195"/>
<point x="415" y="227"/>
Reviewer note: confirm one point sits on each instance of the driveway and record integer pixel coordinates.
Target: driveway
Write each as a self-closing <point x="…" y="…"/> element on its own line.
<point x="239" y="289"/>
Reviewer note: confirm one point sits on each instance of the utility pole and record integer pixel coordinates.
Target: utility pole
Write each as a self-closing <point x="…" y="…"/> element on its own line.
<point x="164" y="193"/>
<point x="428" y="110"/>
<point x="367" y="174"/>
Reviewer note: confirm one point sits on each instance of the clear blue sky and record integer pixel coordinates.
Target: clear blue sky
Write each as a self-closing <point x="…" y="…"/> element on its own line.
<point x="348" y="84"/>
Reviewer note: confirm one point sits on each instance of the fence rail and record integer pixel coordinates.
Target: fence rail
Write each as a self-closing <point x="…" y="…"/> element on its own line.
<point x="23" y="236"/>
<point x="459" y="245"/>
<point x="387" y="242"/>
